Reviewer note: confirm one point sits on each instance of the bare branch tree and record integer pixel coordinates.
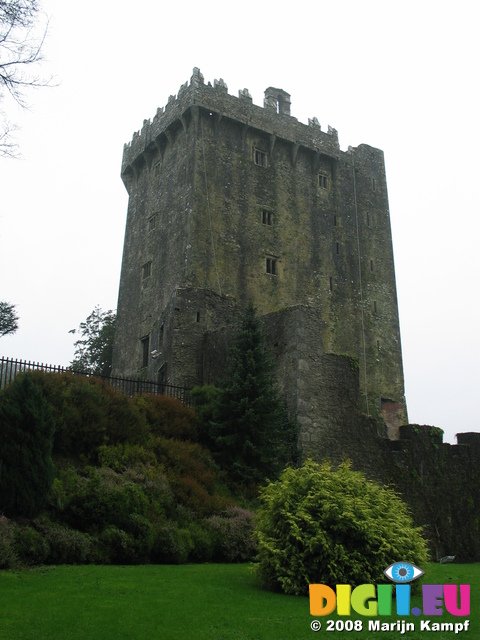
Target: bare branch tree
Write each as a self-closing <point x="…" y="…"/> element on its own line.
<point x="21" y="43"/>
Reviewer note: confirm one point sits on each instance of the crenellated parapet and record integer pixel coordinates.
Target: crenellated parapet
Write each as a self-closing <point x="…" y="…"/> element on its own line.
<point x="181" y="110"/>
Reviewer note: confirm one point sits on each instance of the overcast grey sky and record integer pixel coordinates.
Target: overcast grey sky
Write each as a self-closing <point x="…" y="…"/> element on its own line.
<point x="400" y="76"/>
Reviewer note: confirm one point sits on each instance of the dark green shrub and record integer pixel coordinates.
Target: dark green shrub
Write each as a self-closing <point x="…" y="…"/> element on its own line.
<point x="26" y="438"/>
<point x="203" y="542"/>
<point x="123" y="456"/>
<point x="155" y="486"/>
<point x="67" y="546"/>
<point x="8" y="556"/>
<point x="172" y="545"/>
<point x="124" y="421"/>
<point x="76" y="402"/>
<point x="316" y="525"/>
<point x="116" y="546"/>
<point x="30" y="546"/>
<point x="102" y="499"/>
<point x="142" y="530"/>
<point x="89" y="413"/>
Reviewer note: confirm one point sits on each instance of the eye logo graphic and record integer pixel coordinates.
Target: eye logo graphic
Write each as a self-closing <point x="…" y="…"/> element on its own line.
<point x="403" y="572"/>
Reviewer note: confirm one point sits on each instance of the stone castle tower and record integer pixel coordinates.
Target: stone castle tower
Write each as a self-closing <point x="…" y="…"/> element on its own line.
<point x="231" y="202"/>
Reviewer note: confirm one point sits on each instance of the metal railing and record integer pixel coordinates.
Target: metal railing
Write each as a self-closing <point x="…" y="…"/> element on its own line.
<point x="10" y="368"/>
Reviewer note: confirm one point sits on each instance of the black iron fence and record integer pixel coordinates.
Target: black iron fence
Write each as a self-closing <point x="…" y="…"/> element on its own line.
<point x="10" y="368"/>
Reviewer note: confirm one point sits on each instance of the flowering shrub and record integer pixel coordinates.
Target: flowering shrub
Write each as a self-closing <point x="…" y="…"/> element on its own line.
<point x="168" y="417"/>
<point x="233" y="535"/>
<point x="192" y="474"/>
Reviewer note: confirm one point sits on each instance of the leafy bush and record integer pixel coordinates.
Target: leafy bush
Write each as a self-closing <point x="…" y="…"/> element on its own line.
<point x="233" y="535"/>
<point x="120" y="457"/>
<point x="172" y="544"/>
<point x="116" y="546"/>
<point x="67" y="546"/>
<point x="316" y="525"/>
<point x="104" y="498"/>
<point x="26" y="438"/>
<point x="203" y="541"/>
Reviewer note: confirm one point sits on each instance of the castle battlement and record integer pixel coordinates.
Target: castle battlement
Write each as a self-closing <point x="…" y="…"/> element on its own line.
<point x="274" y="118"/>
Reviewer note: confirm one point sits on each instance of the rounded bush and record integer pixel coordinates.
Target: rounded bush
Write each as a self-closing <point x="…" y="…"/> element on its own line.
<point x="30" y="546"/>
<point x="104" y="498"/>
<point x="172" y="545"/>
<point x="117" y="546"/>
<point x="316" y="525"/>
<point x="67" y="546"/>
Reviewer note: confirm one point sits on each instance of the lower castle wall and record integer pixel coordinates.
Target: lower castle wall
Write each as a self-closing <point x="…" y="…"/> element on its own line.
<point x="439" y="481"/>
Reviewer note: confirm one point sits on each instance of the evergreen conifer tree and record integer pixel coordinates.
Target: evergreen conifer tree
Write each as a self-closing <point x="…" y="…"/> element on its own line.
<point x="26" y="438"/>
<point x="253" y="435"/>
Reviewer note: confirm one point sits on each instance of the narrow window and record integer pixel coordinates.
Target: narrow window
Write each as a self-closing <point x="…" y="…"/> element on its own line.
<point x="260" y="157"/>
<point x="375" y="306"/>
<point x="160" y="336"/>
<point x="147" y="270"/>
<point x="267" y="217"/>
<point x="374" y="184"/>
<point x="337" y="247"/>
<point x="378" y="345"/>
<point x="152" y="222"/>
<point x="331" y="283"/>
<point x="271" y="266"/>
<point x="335" y="220"/>
<point x="371" y="265"/>
<point x="368" y="219"/>
<point x="198" y="316"/>
<point x="322" y="181"/>
<point x="145" y="350"/>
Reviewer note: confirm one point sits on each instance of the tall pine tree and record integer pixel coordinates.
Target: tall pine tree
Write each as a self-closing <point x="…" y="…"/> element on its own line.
<point x="253" y="435"/>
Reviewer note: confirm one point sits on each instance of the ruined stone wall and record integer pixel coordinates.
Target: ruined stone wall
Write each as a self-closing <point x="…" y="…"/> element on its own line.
<point x="438" y="481"/>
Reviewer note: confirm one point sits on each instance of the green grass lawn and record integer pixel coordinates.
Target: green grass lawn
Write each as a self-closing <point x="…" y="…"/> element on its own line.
<point x="202" y="602"/>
